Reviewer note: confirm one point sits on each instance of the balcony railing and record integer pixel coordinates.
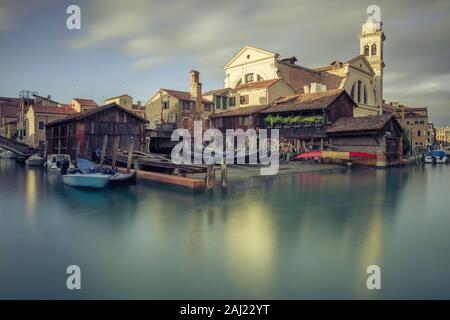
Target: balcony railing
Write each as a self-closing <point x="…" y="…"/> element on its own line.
<point x="301" y="131"/>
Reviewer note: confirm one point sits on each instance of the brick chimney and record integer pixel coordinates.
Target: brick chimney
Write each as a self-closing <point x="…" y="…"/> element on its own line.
<point x="196" y="92"/>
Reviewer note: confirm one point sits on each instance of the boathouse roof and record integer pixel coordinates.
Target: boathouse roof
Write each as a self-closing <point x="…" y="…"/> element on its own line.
<point x="85" y="114"/>
<point x="367" y="123"/>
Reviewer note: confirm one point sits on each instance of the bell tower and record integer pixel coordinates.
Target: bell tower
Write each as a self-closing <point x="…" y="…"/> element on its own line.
<point x="371" y="43"/>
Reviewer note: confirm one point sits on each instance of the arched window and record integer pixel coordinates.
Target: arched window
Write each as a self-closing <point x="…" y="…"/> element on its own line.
<point x="366" y="50"/>
<point x="365" y="95"/>
<point x="249" y="77"/>
<point x="353" y="92"/>
<point x="374" y="49"/>
<point x="359" y="90"/>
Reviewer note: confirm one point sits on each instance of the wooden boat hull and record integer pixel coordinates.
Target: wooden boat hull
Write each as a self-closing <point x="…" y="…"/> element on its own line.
<point x="123" y="179"/>
<point x="93" y="181"/>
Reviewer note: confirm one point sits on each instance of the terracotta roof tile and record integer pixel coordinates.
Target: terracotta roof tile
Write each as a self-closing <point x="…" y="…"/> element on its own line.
<point x="86" y="102"/>
<point x="257" y="85"/>
<point x="367" y="123"/>
<point x="183" y="95"/>
<point x="82" y="115"/>
<point x="304" y="101"/>
<point x="242" y="111"/>
<point x="53" y="110"/>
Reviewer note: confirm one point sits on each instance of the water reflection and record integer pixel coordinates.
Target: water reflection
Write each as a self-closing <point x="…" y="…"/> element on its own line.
<point x="310" y="235"/>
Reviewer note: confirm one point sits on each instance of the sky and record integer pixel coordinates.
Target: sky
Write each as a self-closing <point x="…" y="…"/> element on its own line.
<point x="139" y="46"/>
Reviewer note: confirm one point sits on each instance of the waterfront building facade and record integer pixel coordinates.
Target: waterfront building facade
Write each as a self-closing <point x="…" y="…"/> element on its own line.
<point x="169" y="109"/>
<point x="361" y="77"/>
<point x="9" y="107"/>
<point x="414" y="122"/>
<point x="443" y="135"/>
<point x="37" y="117"/>
<point x="83" y="133"/>
<point x="379" y="134"/>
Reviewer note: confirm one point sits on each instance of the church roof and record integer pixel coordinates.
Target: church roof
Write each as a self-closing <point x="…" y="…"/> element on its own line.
<point x="257" y="85"/>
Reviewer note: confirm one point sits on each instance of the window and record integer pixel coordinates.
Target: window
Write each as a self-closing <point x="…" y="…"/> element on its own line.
<point x="374" y="49"/>
<point x="239" y="82"/>
<point x="218" y="102"/>
<point x="249" y="77"/>
<point x="232" y="101"/>
<point x="419" y="133"/>
<point x="207" y="107"/>
<point x="407" y="122"/>
<point x="185" y="105"/>
<point x="359" y="90"/>
<point x="353" y="92"/>
<point x="259" y="78"/>
<point x="366" y="50"/>
<point x="41" y="125"/>
<point x="166" y="104"/>
<point x="243" y="99"/>
<point x="224" y="103"/>
<point x="365" y="95"/>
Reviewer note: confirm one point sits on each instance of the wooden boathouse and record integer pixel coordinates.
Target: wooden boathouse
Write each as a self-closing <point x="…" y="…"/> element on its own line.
<point x="81" y="134"/>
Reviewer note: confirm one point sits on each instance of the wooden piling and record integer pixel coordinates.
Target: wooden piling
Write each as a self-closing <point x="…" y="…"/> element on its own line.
<point x="115" y="151"/>
<point x="77" y="152"/>
<point x="130" y="153"/>
<point x="224" y="174"/>
<point x="105" y="143"/>
<point x="210" y="177"/>
<point x="59" y="146"/>
<point x="86" y="150"/>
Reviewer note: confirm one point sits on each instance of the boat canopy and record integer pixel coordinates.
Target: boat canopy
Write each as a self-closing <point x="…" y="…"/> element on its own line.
<point x="437" y="154"/>
<point x="85" y="165"/>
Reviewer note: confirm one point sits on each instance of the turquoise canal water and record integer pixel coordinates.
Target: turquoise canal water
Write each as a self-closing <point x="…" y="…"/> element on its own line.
<point x="310" y="235"/>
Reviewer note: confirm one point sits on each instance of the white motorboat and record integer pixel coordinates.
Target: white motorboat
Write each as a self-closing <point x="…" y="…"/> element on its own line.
<point x="35" y="161"/>
<point x="87" y="180"/>
<point x="54" y="161"/>
<point x="6" y="154"/>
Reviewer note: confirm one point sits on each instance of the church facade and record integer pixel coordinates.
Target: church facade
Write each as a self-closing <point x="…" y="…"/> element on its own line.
<point x="361" y="77"/>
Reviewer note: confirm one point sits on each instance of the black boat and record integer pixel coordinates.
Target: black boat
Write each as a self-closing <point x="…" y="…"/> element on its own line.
<point x="123" y="179"/>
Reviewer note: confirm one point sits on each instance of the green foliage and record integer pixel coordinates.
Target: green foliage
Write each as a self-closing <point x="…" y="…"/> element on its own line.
<point x="272" y="120"/>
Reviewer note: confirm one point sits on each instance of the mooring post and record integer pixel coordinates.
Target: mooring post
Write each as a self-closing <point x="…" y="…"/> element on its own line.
<point x="130" y="153"/>
<point x="103" y="155"/>
<point x="210" y="177"/>
<point x="59" y="146"/>
<point x="224" y="174"/>
<point x="86" y="150"/>
<point x="77" y="152"/>
<point x="115" y="151"/>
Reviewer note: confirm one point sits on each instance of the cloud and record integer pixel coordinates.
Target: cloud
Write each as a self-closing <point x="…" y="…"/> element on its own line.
<point x="206" y="34"/>
<point x="148" y="63"/>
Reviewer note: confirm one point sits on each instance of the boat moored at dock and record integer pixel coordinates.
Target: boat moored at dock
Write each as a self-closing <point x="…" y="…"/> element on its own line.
<point x="35" y="161"/>
<point x="89" y="180"/>
<point x="436" y="157"/>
